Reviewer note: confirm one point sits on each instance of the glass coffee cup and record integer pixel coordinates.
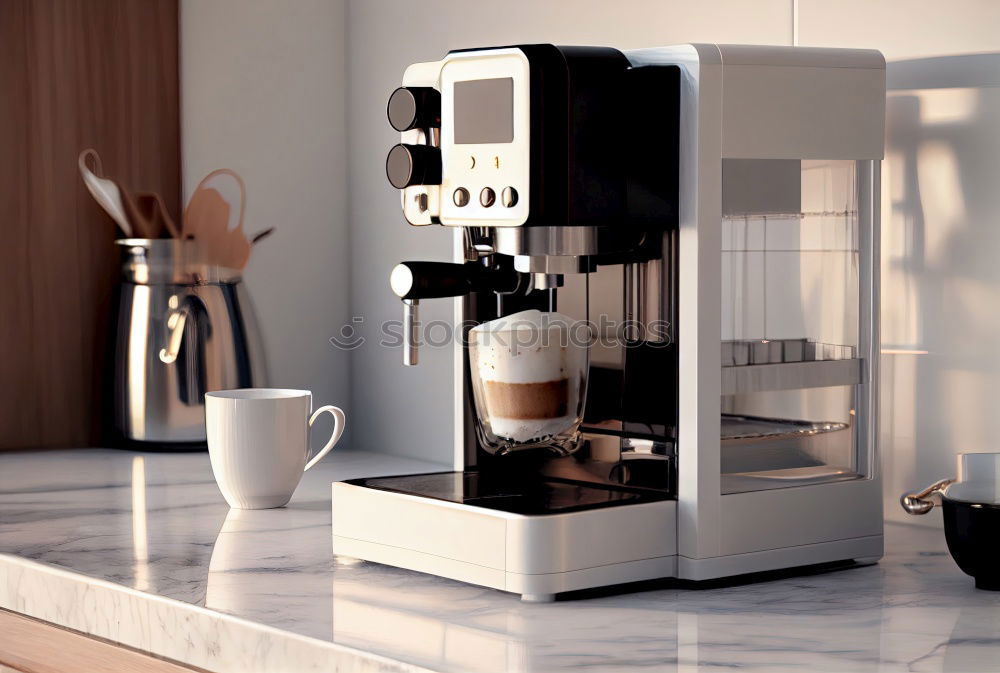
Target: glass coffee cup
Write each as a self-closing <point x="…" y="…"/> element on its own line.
<point x="529" y="381"/>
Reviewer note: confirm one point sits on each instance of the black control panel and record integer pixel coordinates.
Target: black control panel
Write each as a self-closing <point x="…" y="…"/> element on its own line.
<point x="539" y="135"/>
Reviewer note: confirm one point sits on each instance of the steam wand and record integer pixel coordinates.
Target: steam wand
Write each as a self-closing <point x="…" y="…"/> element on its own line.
<point x="411" y="325"/>
<point x="413" y="281"/>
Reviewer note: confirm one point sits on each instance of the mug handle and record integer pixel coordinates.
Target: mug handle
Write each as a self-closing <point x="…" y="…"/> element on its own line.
<point x="339" y="420"/>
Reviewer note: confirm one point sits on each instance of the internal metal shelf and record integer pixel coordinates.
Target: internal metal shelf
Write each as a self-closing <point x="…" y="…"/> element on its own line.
<point x="790" y="376"/>
<point x="736" y="429"/>
<point x="788" y="478"/>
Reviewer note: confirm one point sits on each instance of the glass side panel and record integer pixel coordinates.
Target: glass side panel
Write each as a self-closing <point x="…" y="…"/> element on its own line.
<point x="790" y="323"/>
<point x="783" y="438"/>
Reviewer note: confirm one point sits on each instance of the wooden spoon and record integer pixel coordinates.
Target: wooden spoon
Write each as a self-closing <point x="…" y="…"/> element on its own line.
<point x="149" y="214"/>
<point x="206" y="220"/>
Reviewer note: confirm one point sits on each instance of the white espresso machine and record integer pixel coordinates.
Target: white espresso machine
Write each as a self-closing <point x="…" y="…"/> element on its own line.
<point x="728" y="193"/>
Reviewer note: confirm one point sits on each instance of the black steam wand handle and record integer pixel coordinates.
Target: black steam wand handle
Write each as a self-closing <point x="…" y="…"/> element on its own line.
<point x="430" y="280"/>
<point x="413" y="281"/>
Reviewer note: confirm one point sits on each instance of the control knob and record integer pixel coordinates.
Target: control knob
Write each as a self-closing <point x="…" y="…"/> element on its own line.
<point x="413" y="165"/>
<point x="414" y="107"/>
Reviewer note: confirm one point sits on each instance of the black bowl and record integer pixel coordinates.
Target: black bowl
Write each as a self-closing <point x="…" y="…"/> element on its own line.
<point x="973" y="534"/>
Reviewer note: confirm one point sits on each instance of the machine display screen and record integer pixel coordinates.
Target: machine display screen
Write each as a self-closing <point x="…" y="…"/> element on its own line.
<point x="484" y="111"/>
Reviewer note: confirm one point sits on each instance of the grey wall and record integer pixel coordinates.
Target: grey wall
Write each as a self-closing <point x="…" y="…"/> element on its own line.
<point x="263" y="92"/>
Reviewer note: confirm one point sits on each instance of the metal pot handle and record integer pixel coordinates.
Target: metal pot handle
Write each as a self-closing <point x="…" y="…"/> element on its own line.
<point x="176" y="319"/>
<point x="925" y="500"/>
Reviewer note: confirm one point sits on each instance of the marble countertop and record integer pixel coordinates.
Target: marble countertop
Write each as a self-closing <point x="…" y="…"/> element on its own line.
<point x="142" y="550"/>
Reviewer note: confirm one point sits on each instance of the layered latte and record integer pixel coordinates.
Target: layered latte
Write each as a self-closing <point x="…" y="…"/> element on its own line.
<point x="531" y="372"/>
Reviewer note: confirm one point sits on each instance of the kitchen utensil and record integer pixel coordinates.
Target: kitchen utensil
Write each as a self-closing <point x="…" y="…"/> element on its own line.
<point x="185" y="326"/>
<point x="148" y="214"/>
<point x="207" y="220"/>
<point x="261" y="235"/>
<point x="141" y="226"/>
<point x="206" y="212"/>
<point x="105" y="191"/>
<point x="971" y="508"/>
<point x="258" y="441"/>
<point x="151" y="204"/>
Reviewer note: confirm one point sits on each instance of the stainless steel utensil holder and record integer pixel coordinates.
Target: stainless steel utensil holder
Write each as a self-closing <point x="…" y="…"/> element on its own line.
<point x="184" y="327"/>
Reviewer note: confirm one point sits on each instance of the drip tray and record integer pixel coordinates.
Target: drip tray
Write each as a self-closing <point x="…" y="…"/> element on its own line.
<point x="528" y="497"/>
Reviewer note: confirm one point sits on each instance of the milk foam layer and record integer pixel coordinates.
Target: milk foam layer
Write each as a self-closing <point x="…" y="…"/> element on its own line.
<point x="529" y="347"/>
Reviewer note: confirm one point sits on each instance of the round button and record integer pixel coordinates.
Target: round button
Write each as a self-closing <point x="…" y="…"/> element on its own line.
<point x="414" y="107"/>
<point x="508" y="197"/>
<point x="413" y="165"/>
<point x="460" y="196"/>
<point x="487" y="197"/>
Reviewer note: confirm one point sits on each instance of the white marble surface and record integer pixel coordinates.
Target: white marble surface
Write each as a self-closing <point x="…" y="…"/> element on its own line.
<point x="141" y="549"/>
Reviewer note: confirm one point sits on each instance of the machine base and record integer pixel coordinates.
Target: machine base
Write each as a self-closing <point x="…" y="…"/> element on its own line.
<point x="541" y="555"/>
<point x="864" y="550"/>
<point x="539" y="587"/>
<point x="580" y="542"/>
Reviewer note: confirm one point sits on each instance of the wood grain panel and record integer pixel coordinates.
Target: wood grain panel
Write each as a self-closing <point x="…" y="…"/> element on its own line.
<point x="73" y="74"/>
<point x="31" y="646"/>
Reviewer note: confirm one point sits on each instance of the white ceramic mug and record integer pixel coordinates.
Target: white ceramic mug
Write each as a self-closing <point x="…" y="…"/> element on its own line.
<point x="258" y="441"/>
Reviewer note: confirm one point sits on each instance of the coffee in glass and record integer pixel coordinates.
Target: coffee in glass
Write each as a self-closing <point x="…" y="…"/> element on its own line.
<point x="529" y="381"/>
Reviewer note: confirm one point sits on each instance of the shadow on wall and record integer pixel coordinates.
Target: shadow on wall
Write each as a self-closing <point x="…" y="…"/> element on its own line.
<point x="940" y="269"/>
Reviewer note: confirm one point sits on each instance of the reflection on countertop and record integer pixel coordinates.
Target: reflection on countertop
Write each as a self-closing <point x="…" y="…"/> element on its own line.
<point x="156" y="524"/>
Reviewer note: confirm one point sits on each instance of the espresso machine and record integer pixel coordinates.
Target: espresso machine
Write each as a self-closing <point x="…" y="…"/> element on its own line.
<point x="711" y="212"/>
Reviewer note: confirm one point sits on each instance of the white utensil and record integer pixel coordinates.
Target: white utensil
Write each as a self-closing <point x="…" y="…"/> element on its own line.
<point x="104" y="191"/>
